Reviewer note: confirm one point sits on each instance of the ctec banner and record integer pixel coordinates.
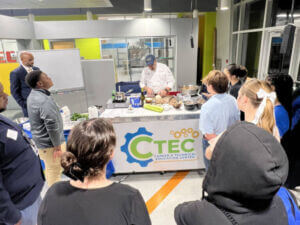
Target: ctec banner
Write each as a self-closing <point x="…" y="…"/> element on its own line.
<point x="158" y="146"/>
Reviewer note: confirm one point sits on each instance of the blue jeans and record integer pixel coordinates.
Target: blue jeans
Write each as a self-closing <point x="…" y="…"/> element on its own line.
<point x="205" y="144"/>
<point x="29" y="214"/>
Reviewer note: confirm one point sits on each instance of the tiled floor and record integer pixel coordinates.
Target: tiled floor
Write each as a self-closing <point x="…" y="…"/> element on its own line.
<point x="189" y="189"/>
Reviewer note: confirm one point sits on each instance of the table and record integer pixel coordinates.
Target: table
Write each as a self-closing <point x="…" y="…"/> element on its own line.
<point x="148" y="141"/>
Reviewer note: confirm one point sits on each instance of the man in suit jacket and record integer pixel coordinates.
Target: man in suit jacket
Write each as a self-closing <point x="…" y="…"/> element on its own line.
<point x="19" y="89"/>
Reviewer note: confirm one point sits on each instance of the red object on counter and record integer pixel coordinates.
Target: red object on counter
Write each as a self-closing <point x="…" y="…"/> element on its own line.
<point x="173" y="92"/>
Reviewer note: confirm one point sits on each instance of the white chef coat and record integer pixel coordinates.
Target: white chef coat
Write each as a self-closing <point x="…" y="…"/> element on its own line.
<point x="157" y="80"/>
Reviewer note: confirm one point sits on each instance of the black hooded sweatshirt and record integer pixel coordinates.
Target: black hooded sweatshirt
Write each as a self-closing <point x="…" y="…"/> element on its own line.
<point x="247" y="168"/>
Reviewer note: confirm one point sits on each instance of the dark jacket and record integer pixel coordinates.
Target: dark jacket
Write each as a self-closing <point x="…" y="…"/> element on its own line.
<point x="248" y="167"/>
<point x="21" y="177"/>
<point x="19" y="88"/>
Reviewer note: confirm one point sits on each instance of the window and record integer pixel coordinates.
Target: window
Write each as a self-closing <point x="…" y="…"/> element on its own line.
<point x="129" y="54"/>
<point x="250" y="52"/>
<point x="254" y="15"/>
<point x="8" y="51"/>
<point x="298" y="77"/>
<point x="278" y="62"/>
<point x="236" y="18"/>
<point x="279" y="12"/>
<point x="234" y="47"/>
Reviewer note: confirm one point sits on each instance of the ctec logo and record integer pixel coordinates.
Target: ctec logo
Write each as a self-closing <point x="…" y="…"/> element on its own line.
<point x="173" y="149"/>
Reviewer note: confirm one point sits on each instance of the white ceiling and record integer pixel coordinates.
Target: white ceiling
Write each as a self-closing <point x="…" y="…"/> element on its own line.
<point x="51" y="4"/>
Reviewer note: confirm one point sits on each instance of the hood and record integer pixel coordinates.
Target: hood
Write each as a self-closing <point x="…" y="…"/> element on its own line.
<point x="247" y="168"/>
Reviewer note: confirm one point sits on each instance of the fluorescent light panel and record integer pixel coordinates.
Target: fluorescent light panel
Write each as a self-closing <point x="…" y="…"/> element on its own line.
<point x="147" y="5"/>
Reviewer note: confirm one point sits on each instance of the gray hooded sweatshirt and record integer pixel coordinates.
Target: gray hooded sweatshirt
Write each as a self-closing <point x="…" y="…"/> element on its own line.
<point x="247" y="169"/>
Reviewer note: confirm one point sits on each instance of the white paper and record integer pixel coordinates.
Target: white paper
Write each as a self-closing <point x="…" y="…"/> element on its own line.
<point x="12" y="134"/>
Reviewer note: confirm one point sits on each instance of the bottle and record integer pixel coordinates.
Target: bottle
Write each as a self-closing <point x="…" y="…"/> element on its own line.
<point x="113" y="95"/>
<point x="142" y="97"/>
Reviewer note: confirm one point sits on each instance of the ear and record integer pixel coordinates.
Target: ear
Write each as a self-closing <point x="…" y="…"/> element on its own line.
<point x="112" y="154"/>
<point x="39" y="84"/>
<point x="245" y="99"/>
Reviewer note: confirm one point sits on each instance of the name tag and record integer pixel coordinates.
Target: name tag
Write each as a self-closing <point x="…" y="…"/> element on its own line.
<point x="12" y="134"/>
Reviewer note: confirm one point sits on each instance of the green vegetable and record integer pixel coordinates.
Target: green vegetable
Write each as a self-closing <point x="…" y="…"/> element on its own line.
<point x="76" y="116"/>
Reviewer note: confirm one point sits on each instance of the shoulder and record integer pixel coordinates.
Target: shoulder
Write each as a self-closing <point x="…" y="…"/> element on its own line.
<point x="3" y="130"/>
<point x="199" y="212"/>
<point x="58" y="188"/>
<point x="229" y="97"/>
<point x="145" y="70"/>
<point x="4" y="124"/>
<point x="209" y="104"/>
<point x="16" y="71"/>
<point x="162" y="66"/>
<point x="124" y="189"/>
<point x="280" y="111"/>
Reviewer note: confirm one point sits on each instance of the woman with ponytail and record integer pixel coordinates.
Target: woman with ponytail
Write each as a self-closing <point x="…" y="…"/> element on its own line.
<point x="89" y="198"/>
<point x="256" y="99"/>
<point x="236" y="75"/>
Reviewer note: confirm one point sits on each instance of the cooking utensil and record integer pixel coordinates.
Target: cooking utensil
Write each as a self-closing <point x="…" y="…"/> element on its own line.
<point x="189" y="89"/>
<point x="189" y="105"/>
<point x="120" y="96"/>
<point x="129" y="91"/>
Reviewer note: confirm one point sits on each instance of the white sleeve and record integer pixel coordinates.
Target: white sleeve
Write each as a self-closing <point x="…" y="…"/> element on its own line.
<point x="143" y="80"/>
<point x="169" y="77"/>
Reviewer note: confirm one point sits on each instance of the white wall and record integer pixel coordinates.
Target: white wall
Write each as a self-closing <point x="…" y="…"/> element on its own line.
<point x="186" y="65"/>
<point x="223" y="36"/>
<point x="12" y="28"/>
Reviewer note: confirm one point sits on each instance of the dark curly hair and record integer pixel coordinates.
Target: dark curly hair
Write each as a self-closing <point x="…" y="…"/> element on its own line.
<point x="89" y="148"/>
<point x="237" y="70"/>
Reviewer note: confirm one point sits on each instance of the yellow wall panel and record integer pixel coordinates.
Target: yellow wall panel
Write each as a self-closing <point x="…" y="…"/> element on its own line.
<point x="5" y="69"/>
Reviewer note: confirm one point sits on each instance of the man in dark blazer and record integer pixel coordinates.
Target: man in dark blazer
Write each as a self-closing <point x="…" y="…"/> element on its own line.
<point x="18" y="87"/>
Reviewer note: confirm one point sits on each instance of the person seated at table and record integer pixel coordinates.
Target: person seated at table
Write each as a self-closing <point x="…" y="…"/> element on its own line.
<point x="247" y="169"/>
<point x="89" y="198"/>
<point x="156" y="78"/>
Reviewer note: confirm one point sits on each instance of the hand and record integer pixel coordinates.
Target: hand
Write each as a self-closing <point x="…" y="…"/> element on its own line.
<point x="150" y="92"/>
<point x="57" y="152"/>
<point x="207" y="95"/>
<point x="19" y="223"/>
<point x="162" y="93"/>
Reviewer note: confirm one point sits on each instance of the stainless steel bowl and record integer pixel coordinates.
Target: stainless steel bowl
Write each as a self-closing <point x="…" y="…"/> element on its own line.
<point x="189" y="89"/>
<point x="120" y="96"/>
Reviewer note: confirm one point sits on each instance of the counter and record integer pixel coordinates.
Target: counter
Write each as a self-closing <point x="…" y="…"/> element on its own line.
<point x="148" y="141"/>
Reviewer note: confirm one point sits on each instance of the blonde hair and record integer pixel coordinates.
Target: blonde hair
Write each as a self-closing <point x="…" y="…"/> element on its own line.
<point x="249" y="89"/>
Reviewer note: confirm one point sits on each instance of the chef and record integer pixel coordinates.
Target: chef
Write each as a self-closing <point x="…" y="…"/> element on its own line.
<point x="156" y="78"/>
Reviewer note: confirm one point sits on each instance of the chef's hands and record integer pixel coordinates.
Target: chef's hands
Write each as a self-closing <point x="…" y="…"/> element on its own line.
<point x="162" y="93"/>
<point x="149" y="91"/>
